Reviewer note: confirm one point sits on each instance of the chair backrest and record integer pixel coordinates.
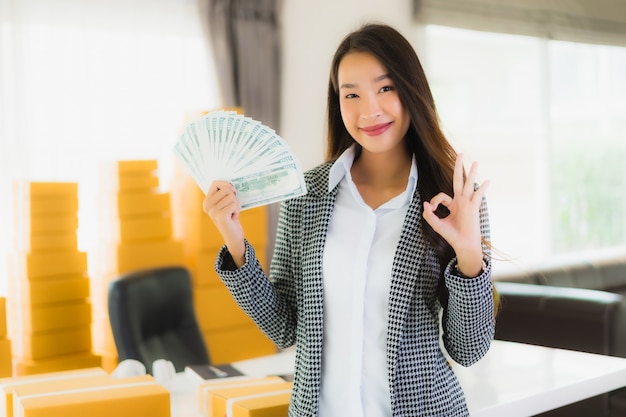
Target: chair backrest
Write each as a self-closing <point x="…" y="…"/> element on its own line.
<point x="152" y="317"/>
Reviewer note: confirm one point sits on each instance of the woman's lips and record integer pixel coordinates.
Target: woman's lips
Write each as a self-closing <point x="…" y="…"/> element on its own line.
<point x="376" y="129"/>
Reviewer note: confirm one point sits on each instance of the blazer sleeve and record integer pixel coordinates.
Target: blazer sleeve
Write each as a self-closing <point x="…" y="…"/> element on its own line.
<point x="469" y="321"/>
<point x="269" y="302"/>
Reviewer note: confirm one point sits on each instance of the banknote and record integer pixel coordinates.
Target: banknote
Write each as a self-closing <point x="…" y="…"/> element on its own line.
<point x="224" y="145"/>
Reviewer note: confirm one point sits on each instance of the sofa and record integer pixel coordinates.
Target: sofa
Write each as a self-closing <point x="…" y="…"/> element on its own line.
<point x="576" y="303"/>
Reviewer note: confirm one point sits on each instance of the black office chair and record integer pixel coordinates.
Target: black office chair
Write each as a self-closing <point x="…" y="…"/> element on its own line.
<point x="152" y="317"/>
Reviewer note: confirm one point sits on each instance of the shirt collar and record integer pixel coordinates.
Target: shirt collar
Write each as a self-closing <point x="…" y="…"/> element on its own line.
<point x="341" y="168"/>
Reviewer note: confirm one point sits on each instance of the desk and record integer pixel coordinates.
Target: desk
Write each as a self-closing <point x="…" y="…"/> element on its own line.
<point x="513" y="379"/>
<point x="518" y="380"/>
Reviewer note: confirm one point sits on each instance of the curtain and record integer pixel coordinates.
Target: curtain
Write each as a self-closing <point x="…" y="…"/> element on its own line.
<point x="585" y="21"/>
<point x="245" y="37"/>
<point x="82" y="82"/>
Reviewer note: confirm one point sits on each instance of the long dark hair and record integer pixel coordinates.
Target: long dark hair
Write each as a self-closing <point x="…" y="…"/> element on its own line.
<point x="434" y="155"/>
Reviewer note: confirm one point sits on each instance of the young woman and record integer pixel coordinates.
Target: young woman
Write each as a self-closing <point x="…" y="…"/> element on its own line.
<point x="391" y="232"/>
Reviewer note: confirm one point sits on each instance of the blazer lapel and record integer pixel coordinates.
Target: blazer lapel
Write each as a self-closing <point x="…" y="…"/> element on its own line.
<point x="404" y="278"/>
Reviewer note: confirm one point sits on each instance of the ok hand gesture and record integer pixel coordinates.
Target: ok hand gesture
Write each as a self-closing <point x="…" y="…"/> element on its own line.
<point x="461" y="228"/>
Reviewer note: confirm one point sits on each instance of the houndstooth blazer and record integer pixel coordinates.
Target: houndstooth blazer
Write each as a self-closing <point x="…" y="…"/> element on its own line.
<point x="289" y="307"/>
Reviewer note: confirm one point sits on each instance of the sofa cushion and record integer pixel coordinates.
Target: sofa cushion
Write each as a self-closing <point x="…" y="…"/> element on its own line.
<point x="567" y="318"/>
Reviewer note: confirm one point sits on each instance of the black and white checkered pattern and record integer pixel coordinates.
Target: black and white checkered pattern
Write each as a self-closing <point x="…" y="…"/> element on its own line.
<point x="289" y="307"/>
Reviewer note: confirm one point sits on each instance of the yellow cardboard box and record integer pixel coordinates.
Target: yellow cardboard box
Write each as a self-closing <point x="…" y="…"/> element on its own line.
<point x="268" y="404"/>
<point x="40" y="265"/>
<point x="25" y="367"/>
<point x="130" y="166"/>
<point x="53" y="223"/>
<point x="238" y="343"/>
<point x="123" y="176"/>
<point x="136" y="396"/>
<point x="140" y="228"/>
<point x="7" y="385"/>
<point x="61" y="290"/>
<point x="54" y="343"/>
<point x="218" y="399"/>
<point x="32" y="206"/>
<point x="216" y="308"/>
<point x="3" y="317"/>
<point x="207" y="388"/>
<point x="48" y="317"/>
<point x="133" y="204"/>
<point x="48" y="241"/>
<point x="142" y="182"/>
<point x="131" y="256"/>
<point x="6" y="358"/>
<point x="46" y="189"/>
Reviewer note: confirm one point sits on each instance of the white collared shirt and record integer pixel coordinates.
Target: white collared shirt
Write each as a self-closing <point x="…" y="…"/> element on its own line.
<point x="358" y="256"/>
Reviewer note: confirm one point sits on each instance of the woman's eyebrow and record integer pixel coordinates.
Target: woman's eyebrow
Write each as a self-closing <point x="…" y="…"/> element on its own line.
<point x="377" y="79"/>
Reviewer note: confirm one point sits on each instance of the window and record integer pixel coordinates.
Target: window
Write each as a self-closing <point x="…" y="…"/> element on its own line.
<point x="87" y="82"/>
<point x="545" y="120"/>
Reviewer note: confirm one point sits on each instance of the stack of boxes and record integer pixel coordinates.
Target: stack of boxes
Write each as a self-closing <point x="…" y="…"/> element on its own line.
<point x="135" y="232"/>
<point x="48" y="300"/>
<point x="229" y="333"/>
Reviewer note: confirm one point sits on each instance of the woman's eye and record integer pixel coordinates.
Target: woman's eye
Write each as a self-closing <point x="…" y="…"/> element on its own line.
<point x="386" y="88"/>
<point x="351" y="95"/>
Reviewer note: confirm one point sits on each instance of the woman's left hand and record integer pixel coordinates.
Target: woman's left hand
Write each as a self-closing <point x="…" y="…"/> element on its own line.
<point x="461" y="228"/>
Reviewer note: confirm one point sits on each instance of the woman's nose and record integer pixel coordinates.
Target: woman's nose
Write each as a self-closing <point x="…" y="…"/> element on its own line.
<point x="370" y="108"/>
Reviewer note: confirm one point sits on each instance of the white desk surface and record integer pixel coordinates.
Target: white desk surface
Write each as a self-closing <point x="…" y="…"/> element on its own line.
<point x="513" y="379"/>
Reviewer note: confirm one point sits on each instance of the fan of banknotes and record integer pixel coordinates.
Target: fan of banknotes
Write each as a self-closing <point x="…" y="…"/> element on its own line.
<point x="225" y="145"/>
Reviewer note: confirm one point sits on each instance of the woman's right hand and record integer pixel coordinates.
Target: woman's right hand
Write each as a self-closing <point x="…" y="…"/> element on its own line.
<point x="223" y="208"/>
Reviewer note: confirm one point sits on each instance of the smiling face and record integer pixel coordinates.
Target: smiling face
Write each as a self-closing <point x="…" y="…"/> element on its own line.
<point x="370" y="106"/>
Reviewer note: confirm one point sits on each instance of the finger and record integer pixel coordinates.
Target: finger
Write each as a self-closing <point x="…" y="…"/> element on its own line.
<point x="218" y="185"/>
<point x="441" y="198"/>
<point x="470" y="181"/>
<point x="429" y="215"/>
<point x="457" y="178"/>
<point x="217" y="198"/>
<point x="480" y="191"/>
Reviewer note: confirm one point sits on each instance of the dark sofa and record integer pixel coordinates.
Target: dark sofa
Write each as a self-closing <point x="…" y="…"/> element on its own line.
<point x="576" y="303"/>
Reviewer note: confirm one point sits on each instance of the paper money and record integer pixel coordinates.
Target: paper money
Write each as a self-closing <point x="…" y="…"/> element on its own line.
<point x="224" y="145"/>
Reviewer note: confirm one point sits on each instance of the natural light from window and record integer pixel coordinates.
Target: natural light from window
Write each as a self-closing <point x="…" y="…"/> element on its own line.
<point x="546" y="121"/>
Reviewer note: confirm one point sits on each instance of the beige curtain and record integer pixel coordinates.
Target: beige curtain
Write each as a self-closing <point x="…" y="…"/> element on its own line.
<point x="586" y="21"/>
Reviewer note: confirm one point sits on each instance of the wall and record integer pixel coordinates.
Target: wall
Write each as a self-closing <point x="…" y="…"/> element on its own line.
<point x="312" y="31"/>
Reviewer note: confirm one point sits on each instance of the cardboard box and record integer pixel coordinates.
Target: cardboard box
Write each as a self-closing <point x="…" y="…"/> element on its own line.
<point x="48" y="241"/>
<point x="207" y="388"/>
<point x="216" y="309"/>
<point x="31" y="206"/>
<point x="3" y="317"/>
<point x="74" y="361"/>
<point x="127" y="397"/>
<point x="218" y="399"/>
<point x="40" y="265"/>
<point x="53" y="223"/>
<point x="58" y="290"/>
<point x="126" y="167"/>
<point x="46" y="189"/>
<point x="270" y="404"/>
<point x="7" y="385"/>
<point x="131" y="256"/>
<point x="140" y="228"/>
<point x="49" y="317"/>
<point x="43" y="345"/>
<point x="238" y="343"/>
<point x="6" y="358"/>
<point x="134" y="204"/>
